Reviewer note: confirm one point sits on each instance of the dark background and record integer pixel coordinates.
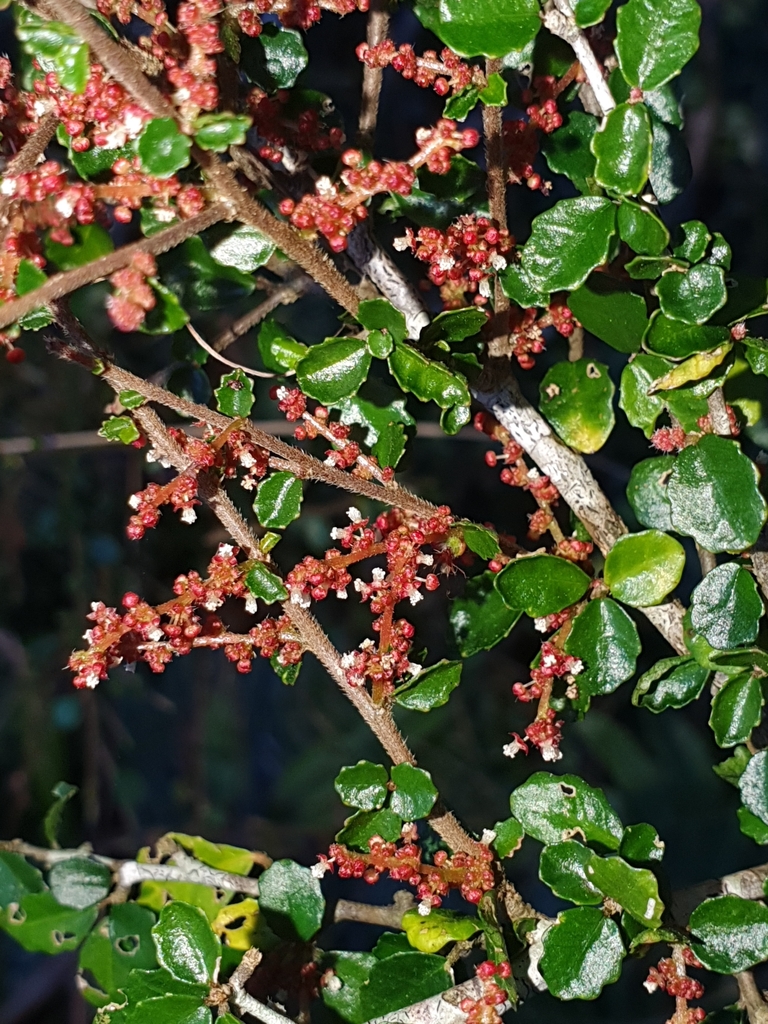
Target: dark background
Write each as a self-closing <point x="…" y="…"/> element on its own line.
<point x="243" y="759"/>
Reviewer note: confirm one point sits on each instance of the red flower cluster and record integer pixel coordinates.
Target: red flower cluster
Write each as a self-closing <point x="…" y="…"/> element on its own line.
<point x="282" y="129"/>
<point x="521" y="138"/>
<point x="545" y="732"/>
<point x="445" y="74"/>
<point x="671" y="977"/>
<point x="669" y="439"/>
<point x="485" y="1010"/>
<point x="133" y="296"/>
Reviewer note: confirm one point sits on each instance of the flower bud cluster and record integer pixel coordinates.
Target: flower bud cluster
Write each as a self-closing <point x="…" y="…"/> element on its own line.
<point x="704" y="423"/>
<point x="669" y="439"/>
<point x="485" y="1010"/>
<point x="181" y="493"/>
<point x="521" y="138"/>
<point x="464" y="256"/>
<point x="671" y="977"/>
<point x="133" y="296"/>
<point x="282" y="129"/>
<point x="446" y="73"/>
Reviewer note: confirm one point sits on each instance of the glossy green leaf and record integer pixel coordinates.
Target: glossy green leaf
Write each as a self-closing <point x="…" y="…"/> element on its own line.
<point x="563" y="867"/>
<point x="726" y="607"/>
<point x="287" y="674"/>
<point x="234" y="395"/>
<point x="642" y="230"/>
<point x="495" y="92"/>
<point x="427" y="379"/>
<point x="480" y="539"/>
<point x="285" y="56"/>
<point x="244" y="248"/>
<point x="733" y="933"/>
<point x="28" y="278"/>
<point x="120" y="943"/>
<point x="671" y="168"/>
<point x="583" y="952"/>
<point x="480" y="618"/>
<point x="334" y="369"/>
<point x="96" y="159"/>
<point x="439" y="198"/>
<point x="642" y="568"/>
<point x="622" y="148"/>
<point x="552" y="808"/>
<point x="611" y="312"/>
<point x="567" y="242"/>
<point x="751" y="826"/>
<point x="677" y="340"/>
<point x="119" y="428"/>
<point x="380" y="315"/>
<point x="361" y="827"/>
<point x="696" y="238"/>
<point x="454" y="325"/>
<point x="264" y="584"/>
<point x="41" y="925"/>
<point x="401" y="980"/>
<point x="649" y="268"/>
<point x="185" y="943"/>
<point x="432" y="687"/>
<point x="753" y="785"/>
<point x="278" y="350"/>
<point x="199" y="281"/>
<point x="647" y="492"/>
<point x="278" y="500"/>
<point x="155" y="895"/>
<point x="218" y="132"/>
<point x="461" y="103"/>
<point x="79" y="882"/>
<point x="517" y="286"/>
<point x="165" y="1009"/>
<point x="642" y="409"/>
<point x="694" y="296"/>
<point x="430" y="934"/>
<point x="605" y="639"/>
<point x="62" y="793"/>
<point x="678" y="681"/>
<point x="17" y="878"/>
<point x="363" y="785"/>
<point x="167" y="315"/>
<point x="414" y="795"/>
<point x="90" y="242"/>
<point x="351" y="971"/>
<point x="162" y="148"/>
<point x="384" y="425"/>
<point x="589" y="12"/>
<point x="234" y="859"/>
<point x="481" y="27"/>
<point x="714" y="494"/>
<point x="655" y="39"/>
<point x="577" y="399"/>
<point x="509" y="837"/>
<point x="291" y="900"/>
<point x="641" y="843"/>
<point x="541" y="584"/>
<point x="56" y="47"/>
<point x="736" y="710"/>
<point x="634" y="889"/>
<point x="568" y="150"/>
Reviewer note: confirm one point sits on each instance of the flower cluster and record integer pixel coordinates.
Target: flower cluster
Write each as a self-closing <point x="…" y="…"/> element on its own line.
<point x="133" y="296"/>
<point x="545" y="731"/>
<point x="485" y="1010"/>
<point x="521" y="137"/>
<point x="281" y="128"/>
<point x="461" y="259"/>
<point x="671" y="976"/>
<point x="334" y="209"/>
<point x="526" y="327"/>
<point x="470" y="873"/>
<point x="669" y="439"/>
<point x="446" y="73"/>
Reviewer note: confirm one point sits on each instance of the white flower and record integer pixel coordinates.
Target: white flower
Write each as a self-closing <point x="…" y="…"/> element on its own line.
<point x="378" y="575"/>
<point x="134" y="501"/>
<point x="445" y="262"/>
<point x="487" y="837"/>
<point x="155" y="634"/>
<point x="212" y="603"/>
<point x="415" y="596"/>
<point x="359" y="585"/>
<point x="189" y="516"/>
<point x="413" y="668"/>
<point x="540" y="625"/>
<point x="342" y="594"/>
<point x="498" y="262"/>
<point x="225" y="551"/>
<point x="65" y="206"/>
<point x="549" y="752"/>
<point x="164" y="214"/>
<point x="354" y="514"/>
<point x="348" y="660"/>
<point x="485" y="288"/>
<point x="512" y="749"/>
<point x="92" y="681"/>
<point x="247" y="460"/>
<point x="300" y="598"/>
<point x="251" y="604"/>
<point x="151" y="455"/>
<point x="650" y="985"/>
<point x="8" y="186"/>
<point x="577" y="667"/>
<point x="133" y="124"/>
<point x="367" y="644"/>
<point x="318" y="870"/>
<point x="425" y="907"/>
<point x="423" y="560"/>
<point x="402" y="243"/>
<point x="337" y="532"/>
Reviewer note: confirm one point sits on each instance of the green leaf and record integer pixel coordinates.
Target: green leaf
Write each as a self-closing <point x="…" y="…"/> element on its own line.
<point x="439" y="198"/>
<point x="244" y="248"/>
<point x="481" y="619"/>
<point x="427" y="379"/>
<point x="17" y="878"/>
<point x="461" y="103"/>
<point x="671" y="169"/>
<point x="119" y="428"/>
<point x="568" y="150"/>
<point x="495" y="93"/>
<point x="56" y="47"/>
<point x="567" y="242"/>
<point x="430" y="934"/>
<point x="551" y="808"/>
<point x="509" y="837"/>
<point x="454" y="325"/>
<point x="119" y="944"/>
<point x="363" y="785"/>
<point x="279" y="351"/>
<point x="285" y="56"/>
<point x="291" y="900"/>
<point x="475" y="28"/>
<point x="234" y="395"/>
<point x="622" y="148"/>
<point x="516" y="286"/>
<point x="733" y="933"/>
<point x="287" y="674"/>
<point x="634" y="889"/>
<point x="642" y="568"/>
<point x="97" y="159"/>
<point x="753" y="785"/>
<point x="751" y="826"/>
<point x="334" y="369"/>
<point x="186" y="945"/>
<point x="79" y="882"/>
<point x="362" y="826"/>
<point x="642" y="230"/>
<point x="678" y="340"/>
<point x="726" y="607"/>
<point x="720" y="253"/>
<point x="655" y="39"/>
<point x="41" y="925"/>
<point x="278" y="500"/>
<point x="610" y="311"/>
<point x="28" y="277"/>
<point x="380" y="315"/>
<point x="605" y="639"/>
<point x="414" y="794"/>
<point x="401" y="980"/>
<point x="714" y="494"/>
<point x="384" y="425"/>
<point x="736" y="710"/>
<point x="165" y="1009"/>
<point x="696" y="238"/>
<point x="577" y="399"/>
<point x="162" y="148"/>
<point x="265" y="585"/>
<point x="696" y="369"/>
<point x="648" y="268"/>
<point x="480" y="539"/>
<point x="684" y="683"/>
<point x="234" y="859"/>
<point x="641" y="843"/>
<point x="432" y="687"/>
<point x="732" y="768"/>
<point x="218" y="132"/>
<point x="168" y="315"/>
<point x="352" y="971"/>
<point x="694" y="296"/>
<point x="155" y="895"/>
<point x="642" y="409"/>
<point x="563" y="867"/>
<point x="589" y="12"/>
<point x="198" y="281"/>
<point x="541" y="584"/>
<point x="647" y="492"/>
<point x="582" y="953"/>
<point x="91" y="242"/>
<point x="62" y="793"/>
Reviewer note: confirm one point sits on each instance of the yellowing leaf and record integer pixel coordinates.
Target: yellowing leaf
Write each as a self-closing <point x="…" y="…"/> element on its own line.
<point x="695" y="368"/>
<point x="236" y="924"/>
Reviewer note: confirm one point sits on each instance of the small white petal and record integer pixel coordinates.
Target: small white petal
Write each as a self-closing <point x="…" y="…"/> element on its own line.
<point x="487" y="837"/>
<point x="354" y="514"/>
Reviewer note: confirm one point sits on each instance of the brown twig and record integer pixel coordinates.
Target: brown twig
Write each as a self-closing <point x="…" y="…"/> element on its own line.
<point x="751" y="998"/>
<point x="27" y="157"/>
<point x="365" y="913"/>
<point x="376" y="32"/>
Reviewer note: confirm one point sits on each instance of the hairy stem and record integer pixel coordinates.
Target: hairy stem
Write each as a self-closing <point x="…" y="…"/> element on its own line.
<point x="27" y="157"/>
